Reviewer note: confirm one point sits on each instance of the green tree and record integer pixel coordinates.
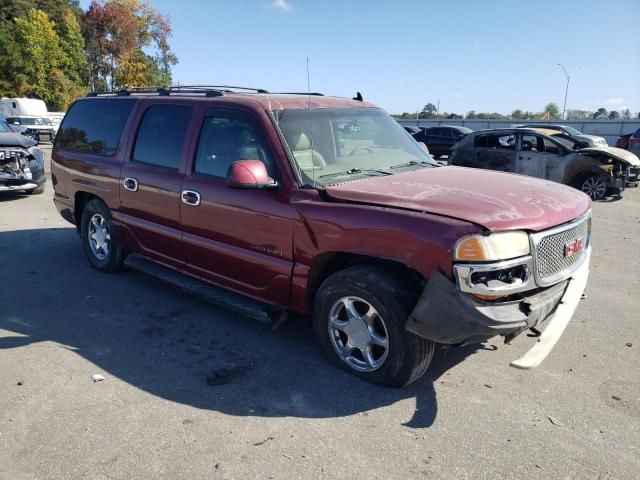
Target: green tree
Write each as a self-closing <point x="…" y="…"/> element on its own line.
<point x="72" y="43"/>
<point x="551" y="110"/>
<point x="429" y="111"/>
<point x="614" y="115"/>
<point x="600" y="113"/>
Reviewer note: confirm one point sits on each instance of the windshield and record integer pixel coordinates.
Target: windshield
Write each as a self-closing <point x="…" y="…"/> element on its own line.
<point x="572" y="131"/>
<point x="4" y="127"/>
<point x="33" y="121"/>
<point x="329" y="143"/>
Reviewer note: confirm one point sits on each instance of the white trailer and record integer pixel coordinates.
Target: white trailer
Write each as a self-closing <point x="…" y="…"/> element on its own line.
<point x="23" y="107"/>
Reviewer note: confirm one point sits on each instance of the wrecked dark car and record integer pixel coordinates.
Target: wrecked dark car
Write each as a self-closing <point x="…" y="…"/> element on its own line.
<point x="597" y="171"/>
<point x="21" y="163"/>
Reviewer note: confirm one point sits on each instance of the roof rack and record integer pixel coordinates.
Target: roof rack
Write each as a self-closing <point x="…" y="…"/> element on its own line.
<point x="313" y="94"/>
<point x="207" y="90"/>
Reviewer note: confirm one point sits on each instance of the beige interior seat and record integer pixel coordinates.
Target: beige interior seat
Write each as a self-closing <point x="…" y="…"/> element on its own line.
<point x="301" y="148"/>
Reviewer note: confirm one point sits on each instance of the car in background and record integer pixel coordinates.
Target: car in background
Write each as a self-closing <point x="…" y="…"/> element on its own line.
<point x="21" y="163"/>
<point x="634" y="143"/>
<point x="36" y="127"/>
<point x="623" y="141"/>
<point x="440" y="139"/>
<point x="412" y="130"/>
<point x="597" y="171"/>
<point x="589" y="140"/>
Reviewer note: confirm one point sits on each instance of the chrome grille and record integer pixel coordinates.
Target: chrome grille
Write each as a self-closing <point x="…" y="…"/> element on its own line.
<point x="550" y="258"/>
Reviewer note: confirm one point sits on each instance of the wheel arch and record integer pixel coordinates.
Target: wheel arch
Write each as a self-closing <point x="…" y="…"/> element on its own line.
<point x="81" y="198"/>
<point x="326" y="264"/>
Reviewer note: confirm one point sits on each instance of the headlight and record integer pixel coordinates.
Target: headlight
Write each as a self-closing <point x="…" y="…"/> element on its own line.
<point x="495" y="246"/>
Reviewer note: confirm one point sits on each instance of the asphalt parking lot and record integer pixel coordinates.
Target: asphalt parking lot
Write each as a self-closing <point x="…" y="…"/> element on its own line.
<point x="194" y="391"/>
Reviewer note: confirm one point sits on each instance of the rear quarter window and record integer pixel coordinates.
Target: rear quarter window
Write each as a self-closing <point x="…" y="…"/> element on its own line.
<point x="94" y="126"/>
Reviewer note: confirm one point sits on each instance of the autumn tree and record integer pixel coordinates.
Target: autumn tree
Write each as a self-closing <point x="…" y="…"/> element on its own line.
<point x="119" y="34"/>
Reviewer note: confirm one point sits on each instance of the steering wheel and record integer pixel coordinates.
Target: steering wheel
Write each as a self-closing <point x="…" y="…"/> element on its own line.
<point x="361" y="147"/>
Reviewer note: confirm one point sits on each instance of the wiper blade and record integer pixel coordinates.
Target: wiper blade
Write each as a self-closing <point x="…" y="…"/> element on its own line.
<point x="410" y="164"/>
<point x="354" y="171"/>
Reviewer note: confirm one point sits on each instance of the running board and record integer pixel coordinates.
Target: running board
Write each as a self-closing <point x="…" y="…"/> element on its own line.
<point x="203" y="290"/>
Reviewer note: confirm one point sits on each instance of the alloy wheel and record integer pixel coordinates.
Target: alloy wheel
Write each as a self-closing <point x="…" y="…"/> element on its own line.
<point x="358" y="334"/>
<point x="99" y="236"/>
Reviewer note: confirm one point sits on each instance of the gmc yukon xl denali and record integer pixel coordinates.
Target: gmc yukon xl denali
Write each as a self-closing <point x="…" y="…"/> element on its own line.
<point x="272" y="204"/>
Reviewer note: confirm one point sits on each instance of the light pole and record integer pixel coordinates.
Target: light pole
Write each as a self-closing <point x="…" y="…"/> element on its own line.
<point x="566" y="90"/>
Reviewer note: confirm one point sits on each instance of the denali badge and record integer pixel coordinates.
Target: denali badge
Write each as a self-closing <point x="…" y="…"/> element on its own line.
<point x="573" y="247"/>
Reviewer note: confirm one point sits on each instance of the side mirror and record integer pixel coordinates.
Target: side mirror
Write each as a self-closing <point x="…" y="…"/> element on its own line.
<point x="249" y="174"/>
<point x="424" y="147"/>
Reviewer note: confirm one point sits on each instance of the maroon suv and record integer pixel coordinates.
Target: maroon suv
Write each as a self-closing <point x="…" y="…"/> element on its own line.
<point x="275" y="203"/>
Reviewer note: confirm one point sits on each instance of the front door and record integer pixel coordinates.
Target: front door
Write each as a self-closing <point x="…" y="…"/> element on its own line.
<point x="496" y="152"/>
<point x="151" y="180"/>
<point x="240" y="239"/>
<point x="540" y="157"/>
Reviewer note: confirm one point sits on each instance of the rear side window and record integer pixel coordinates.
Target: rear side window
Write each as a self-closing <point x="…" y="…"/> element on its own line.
<point x="94" y="126"/>
<point x="161" y="135"/>
<point x="637" y="134"/>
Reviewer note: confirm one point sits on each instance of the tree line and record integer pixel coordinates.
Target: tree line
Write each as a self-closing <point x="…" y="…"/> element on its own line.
<point x="56" y="51"/>
<point x="551" y="112"/>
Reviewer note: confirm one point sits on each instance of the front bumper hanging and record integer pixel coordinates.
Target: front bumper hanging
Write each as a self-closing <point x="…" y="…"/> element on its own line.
<point x="446" y="315"/>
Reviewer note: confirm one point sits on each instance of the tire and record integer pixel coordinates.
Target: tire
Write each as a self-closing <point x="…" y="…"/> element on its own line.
<point x="360" y="288"/>
<point x="594" y="185"/>
<point x="39" y="190"/>
<point x="99" y="239"/>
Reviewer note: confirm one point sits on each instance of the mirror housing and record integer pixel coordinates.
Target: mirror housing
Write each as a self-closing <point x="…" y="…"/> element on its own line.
<point x="249" y="174"/>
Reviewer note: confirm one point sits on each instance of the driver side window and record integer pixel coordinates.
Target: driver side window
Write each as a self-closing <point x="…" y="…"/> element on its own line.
<point x="227" y="137"/>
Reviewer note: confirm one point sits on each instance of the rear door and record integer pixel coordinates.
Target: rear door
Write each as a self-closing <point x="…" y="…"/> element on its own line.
<point x="151" y="179"/>
<point x="240" y="239"/>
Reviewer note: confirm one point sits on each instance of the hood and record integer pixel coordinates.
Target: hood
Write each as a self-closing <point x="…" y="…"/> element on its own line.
<point x="8" y="139"/>
<point x="591" y="139"/>
<point x="494" y="200"/>
<point x="625" y="156"/>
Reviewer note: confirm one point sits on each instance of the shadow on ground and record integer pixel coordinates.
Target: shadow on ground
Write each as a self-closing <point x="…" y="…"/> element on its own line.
<point x="179" y="348"/>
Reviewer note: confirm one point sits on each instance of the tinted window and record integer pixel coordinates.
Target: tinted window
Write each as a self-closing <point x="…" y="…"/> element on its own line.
<point x="4" y="127"/>
<point x="495" y="141"/>
<point x="161" y="135"/>
<point x="227" y="137"/>
<point x="94" y="126"/>
<point x="637" y="134"/>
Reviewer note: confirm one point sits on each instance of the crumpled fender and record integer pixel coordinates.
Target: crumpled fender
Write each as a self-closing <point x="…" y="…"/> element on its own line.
<point x="446" y="315"/>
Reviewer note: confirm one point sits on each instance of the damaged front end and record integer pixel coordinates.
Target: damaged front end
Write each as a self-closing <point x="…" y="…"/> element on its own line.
<point x="508" y="297"/>
<point x="21" y="168"/>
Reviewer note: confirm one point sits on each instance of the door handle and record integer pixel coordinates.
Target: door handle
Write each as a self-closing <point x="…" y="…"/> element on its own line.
<point x="190" y="197"/>
<point x="130" y="184"/>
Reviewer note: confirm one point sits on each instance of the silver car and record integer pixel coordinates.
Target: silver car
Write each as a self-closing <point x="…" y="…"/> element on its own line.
<point x="589" y="140"/>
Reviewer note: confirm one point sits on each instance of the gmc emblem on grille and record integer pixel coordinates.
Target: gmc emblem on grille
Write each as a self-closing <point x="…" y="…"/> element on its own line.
<point x="573" y="247"/>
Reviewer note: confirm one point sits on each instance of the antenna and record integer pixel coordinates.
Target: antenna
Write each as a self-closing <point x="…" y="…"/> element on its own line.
<point x="313" y="166"/>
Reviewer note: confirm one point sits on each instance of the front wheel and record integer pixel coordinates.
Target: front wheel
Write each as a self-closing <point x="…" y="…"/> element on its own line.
<point x="359" y="317"/>
<point x="99" y="239"/>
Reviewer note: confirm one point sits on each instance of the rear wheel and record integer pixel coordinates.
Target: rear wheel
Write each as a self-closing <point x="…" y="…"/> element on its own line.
<point x="99" y="241"/>
<point x="359" y="317"/>
<point x="594" y="185"/>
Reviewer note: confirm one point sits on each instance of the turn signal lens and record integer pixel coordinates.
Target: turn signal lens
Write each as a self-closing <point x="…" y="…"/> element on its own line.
<point x="496" y="246"/>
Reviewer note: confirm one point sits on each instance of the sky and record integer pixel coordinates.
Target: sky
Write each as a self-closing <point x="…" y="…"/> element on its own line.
<point x="468" y="55"/>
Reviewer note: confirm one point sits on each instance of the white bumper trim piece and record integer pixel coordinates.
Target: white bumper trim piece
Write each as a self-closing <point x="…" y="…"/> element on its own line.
<point x="558" y="320"/>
